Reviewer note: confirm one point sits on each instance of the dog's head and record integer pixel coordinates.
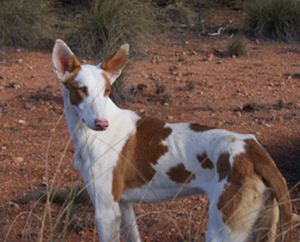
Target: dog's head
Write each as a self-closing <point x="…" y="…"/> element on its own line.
<point x="88" y="85"/>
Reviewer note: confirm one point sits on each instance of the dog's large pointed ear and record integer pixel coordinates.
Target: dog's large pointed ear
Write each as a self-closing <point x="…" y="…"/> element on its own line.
<point x="63" y="59"/>
<point x="116" y="63"/>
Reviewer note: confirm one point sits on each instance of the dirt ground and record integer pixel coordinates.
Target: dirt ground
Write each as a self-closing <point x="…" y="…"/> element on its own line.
<point x="183" y="78"/>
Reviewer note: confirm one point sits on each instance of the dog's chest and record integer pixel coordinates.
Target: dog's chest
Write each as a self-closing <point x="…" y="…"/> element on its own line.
<point x="96" y="153"/>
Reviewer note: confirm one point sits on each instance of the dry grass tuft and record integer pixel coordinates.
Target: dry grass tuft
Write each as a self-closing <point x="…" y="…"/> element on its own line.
<point x="237" y="46"/>
<point x="107" y="24"/>
<point x="25" y="22"/>
<point x="2" y="56"/>
<point x="275" y="19"/>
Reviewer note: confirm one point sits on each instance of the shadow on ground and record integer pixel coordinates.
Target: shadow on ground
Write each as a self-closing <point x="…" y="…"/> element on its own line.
<point x="287" y="158"/>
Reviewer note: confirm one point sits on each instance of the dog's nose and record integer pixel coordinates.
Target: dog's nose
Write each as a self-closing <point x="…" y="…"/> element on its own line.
<point x="101" y="124"/>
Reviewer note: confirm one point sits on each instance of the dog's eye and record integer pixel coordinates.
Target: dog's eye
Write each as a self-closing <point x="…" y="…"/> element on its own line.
<point x="84" y="90"/>
<point x="106" y="91"/>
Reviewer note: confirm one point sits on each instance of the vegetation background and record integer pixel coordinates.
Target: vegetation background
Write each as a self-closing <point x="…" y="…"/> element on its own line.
<point x="96" y="28"/>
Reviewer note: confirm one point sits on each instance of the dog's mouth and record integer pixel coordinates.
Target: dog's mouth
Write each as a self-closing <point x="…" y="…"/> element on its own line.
<point x="100" y="128"/>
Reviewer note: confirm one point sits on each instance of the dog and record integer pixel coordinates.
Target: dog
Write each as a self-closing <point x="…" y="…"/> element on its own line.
<point x="126" y="158"/>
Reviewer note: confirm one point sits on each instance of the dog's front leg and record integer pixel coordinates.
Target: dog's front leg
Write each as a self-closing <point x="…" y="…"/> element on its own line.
<point x="108" y="219"/>
<point x="129" y="224"/>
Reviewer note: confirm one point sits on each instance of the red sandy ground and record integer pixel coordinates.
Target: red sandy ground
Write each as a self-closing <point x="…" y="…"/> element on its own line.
<point x="194" y="85"/>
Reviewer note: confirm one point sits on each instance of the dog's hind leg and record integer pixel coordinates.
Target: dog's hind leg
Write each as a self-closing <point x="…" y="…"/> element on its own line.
<point x="129" y="224"/>
<point x="264" y="229"/>
<point x="233" y="213"/>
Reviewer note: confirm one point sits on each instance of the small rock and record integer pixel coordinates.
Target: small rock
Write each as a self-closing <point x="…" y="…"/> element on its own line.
<point x="238" y="114"/>
<point x="172" y="68"/>
<point x="267" y="125"/>
<point x="6" y="125"/>
<point x="28" y="105"/>
<point x="142" y="111"/>
<point x="19" y="61"/>
<point x="170" y="117"/>
<point x="144" y="75"/>
<point x="44" y="181"/>
<point x="219" y="123"/>
<point x="13" y="85"/>
<point x="13" y="204"/>
<point x="181" y="59"/>
<point x="210" y="57"/>
<point x="21" y="121"/>
<point x="18" y="159"/>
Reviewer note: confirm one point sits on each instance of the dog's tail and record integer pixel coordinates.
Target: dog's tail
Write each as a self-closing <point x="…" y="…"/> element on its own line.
<point x="266" y="168"/>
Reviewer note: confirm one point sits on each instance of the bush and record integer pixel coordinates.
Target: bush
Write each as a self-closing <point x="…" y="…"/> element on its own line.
<point x="2" y="56"/>
<point x="24" y="23"/>
<point x="237" y="46"/>
<point x="275" y="19"/>
<point x="180" y="12"/>
<point x="107" y="24"/>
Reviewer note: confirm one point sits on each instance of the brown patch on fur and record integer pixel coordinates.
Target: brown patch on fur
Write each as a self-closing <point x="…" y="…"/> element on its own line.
<point x="180" y="175"/>
<point x="205" y="162"/>
<point x="71" y="65"/>
<point x="199" y="128"/>
<point x="141" y="150"/>
<point x="250" y="170"/>
<point x="240" y="203"/>
<point x="67" y="61"/>
<point x="223" y="166"/>
<point x="76" y="93"/>
<point x="116" y="62"/>
<point x="231" y="198"/>
<point x="107" y="84"/>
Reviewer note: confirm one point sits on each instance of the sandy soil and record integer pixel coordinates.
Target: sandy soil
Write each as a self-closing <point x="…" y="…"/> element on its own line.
<point x="182" y="79"/>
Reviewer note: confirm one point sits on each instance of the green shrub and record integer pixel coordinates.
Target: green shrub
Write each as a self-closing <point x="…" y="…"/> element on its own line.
<point x="107" y="24"/>
<point x="180" y="12"/>
<point x="24" y="22"/>
<point x="2" y="55"/>
<point x="275" y="19"/>
<point x="237" y="46"/>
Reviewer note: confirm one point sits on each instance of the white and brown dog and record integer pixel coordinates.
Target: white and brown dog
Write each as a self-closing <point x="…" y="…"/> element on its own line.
<point x="126" y="158"/>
